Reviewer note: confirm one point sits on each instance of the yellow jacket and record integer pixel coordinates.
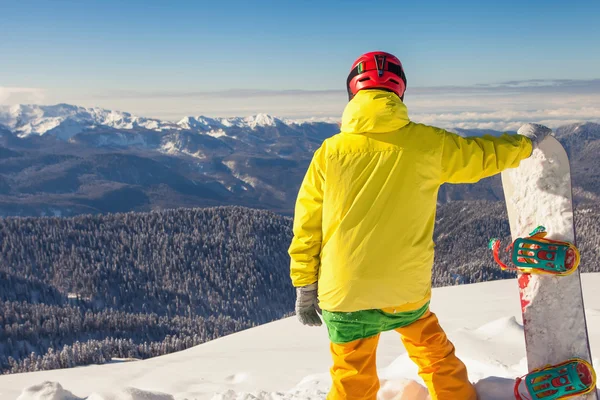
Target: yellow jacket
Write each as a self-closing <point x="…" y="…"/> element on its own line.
<point x="364" y="218"/>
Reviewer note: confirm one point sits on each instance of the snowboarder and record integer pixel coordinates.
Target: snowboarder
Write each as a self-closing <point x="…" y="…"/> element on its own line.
<point x="363" y="230"/>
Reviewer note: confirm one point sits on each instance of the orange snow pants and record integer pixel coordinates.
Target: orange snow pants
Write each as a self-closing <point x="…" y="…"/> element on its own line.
<point x="354" y="372"/>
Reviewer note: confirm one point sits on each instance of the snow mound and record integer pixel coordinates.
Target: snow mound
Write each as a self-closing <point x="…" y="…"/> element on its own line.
<point x="304" y="395"/>
<point x="134" y="394"/>
<point x="505" y="327"/>
<point x="400" y="389"/>
<point x="237" y="378"/>
<point x="54" y="391"/>
<point x="47" y="391"/>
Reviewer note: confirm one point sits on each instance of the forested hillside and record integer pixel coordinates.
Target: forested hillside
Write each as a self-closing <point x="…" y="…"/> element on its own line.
<point x="82" y="290"/>
<point x="192" y="274"/>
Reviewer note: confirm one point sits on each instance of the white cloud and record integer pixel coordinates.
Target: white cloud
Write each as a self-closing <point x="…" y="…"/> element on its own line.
<point x="498" y="106"/>
<point x="503" y="112"/>
<point x="19" y="95"/>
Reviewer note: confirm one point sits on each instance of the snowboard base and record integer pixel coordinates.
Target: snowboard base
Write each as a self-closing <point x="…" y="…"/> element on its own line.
<point x="571" y="378"/>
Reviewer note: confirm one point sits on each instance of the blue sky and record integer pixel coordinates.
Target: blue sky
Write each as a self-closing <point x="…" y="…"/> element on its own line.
<point x="93" y="51"/>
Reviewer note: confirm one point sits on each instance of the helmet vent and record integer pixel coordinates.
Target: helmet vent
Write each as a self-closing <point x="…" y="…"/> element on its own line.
<point x="364" y="79"/>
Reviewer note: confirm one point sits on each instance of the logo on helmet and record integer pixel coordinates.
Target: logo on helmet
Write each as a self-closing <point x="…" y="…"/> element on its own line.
<point x="380" y="64"/>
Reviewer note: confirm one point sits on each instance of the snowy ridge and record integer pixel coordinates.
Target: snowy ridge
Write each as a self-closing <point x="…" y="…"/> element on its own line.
<point x="201" y="123"/>
<point x="65" y="121"/>
<point x="205" y="123"/>
<point x="284" y="360"/>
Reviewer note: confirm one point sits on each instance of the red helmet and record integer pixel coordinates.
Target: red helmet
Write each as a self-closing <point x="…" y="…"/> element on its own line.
<point x="376" y="69"/>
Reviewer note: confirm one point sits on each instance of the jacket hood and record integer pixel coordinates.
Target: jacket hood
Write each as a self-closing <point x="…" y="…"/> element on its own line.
<point x="374" y="111"/>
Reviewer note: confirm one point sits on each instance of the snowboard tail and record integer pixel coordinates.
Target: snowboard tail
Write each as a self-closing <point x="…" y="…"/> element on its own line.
<point x="566" y="380"/>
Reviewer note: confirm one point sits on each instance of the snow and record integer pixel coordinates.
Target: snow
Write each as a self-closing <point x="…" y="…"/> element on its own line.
<point x="218" y="133"/>
<point x="46" y="391"/>
<point x="213" y="126"/>
<point x="172" y="147"/>
<point x="65" y="121"/>
<point x="201" y="122"/>
<point x="261" y="120"/>
<point x="285" y="360"/>
<point x="169" y="148"/>
<point x="548" y="182"/>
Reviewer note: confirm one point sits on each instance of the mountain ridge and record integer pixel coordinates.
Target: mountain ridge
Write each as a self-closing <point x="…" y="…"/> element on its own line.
<point x="256" y="161"/>
<point x="66" y="120"/>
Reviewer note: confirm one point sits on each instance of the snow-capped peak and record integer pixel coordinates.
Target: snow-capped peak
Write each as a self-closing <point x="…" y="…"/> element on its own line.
<point x="200" y="122"/>
<point x="212" y="124"/>
<point x="261" y="120"/>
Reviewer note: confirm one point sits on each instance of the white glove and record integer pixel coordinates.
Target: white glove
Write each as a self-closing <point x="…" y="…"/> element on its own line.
<point x="535" y="132"/>
<point x="307" y="305"/>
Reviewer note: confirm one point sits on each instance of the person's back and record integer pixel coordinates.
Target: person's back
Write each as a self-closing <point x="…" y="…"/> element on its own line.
<point x="363" y="229"/>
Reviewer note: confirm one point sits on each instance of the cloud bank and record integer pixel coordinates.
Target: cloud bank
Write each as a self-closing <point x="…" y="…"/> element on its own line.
<point x="498" y="106"/>
<point x="19" y="95"/>
<point x="508" y="105"/>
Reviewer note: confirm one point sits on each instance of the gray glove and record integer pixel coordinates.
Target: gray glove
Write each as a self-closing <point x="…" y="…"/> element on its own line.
<point x="535" y="132"/>
<point x="307" y="305"/>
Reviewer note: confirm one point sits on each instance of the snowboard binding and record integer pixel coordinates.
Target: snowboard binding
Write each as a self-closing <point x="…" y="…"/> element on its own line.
<point x="538" y="255"/>
<point x="574" y="377"/>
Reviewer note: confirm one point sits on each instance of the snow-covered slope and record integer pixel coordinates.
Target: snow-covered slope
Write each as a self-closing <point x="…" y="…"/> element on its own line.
<point x="284" y="360"/>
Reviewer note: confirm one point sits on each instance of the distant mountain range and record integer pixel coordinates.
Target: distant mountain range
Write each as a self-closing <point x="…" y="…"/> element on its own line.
<point x="65" y="121"/>
<point x="69" y="160"/>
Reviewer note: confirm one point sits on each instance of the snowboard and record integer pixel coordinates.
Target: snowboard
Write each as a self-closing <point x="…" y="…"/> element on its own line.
<point x="538" y="193"/>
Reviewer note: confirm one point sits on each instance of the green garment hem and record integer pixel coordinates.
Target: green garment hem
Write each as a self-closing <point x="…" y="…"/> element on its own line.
<point x="346" y="327"/>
